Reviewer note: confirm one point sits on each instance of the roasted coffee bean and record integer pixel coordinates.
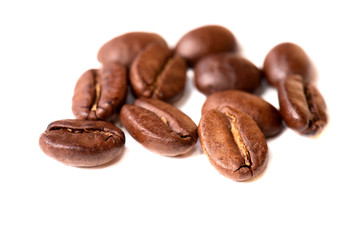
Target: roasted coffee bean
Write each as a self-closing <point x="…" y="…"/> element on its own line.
<point x="287" y="59"/>
<point x="205" y="40"/>
<point x="155" y="73"/>
<point x="159" y="126"/>
<point x="265" y="115"/>
<point x="233" y="143"/>
<point x="124" y="48"/>
<point x="100" y="93"/>
<point x="82" y="143"/>
<point x="225" y="71"/>
<point x="302" y="106"/>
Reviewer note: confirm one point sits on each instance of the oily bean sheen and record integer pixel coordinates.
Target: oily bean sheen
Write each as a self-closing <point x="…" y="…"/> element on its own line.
<point x="155" y="73"/>
<point x="82" y="143"/>
<point x="205" y="40"/>
<point x="100" y="93"/>
<point x="287" y="59"/>
<point x="233" y="143"/>
<point x="265" y="115"/>
<point x="225" y="71"/>
<point x="302" y="106"/>
<point x="124" y="48"/>
<point x="159" y="126"/>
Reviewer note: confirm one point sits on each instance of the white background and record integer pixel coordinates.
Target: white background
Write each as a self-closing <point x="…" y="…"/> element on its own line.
<point x="310" y="189"/>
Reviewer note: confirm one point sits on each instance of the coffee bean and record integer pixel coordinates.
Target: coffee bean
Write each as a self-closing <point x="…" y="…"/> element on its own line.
<point x="82" y="143"/>
<point x="100" y="93"/>
<point x="225" y="71"/>
<point x="155" y="73"/>
<point x="265" y="115"/>
<point x="233" y="143"/>
<point x="124" y="48"/>
<point x="287" y="59"/>
<point x="205" y="40"/>
<point x="159" y="126"/>
<point x="302" y="106"/>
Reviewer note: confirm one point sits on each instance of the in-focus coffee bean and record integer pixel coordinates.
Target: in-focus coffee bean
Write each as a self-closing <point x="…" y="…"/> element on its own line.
<point x="155" y="73"/>
<point x="233" y="143"/>
<point x="82" y="143"/>
<point x="302" y="106"/>
<point x="205" y="40"/>
<point x="225" y="71"/>
<point x="265" y="115"/>
<point x="159" y="126"/>
<point x="100" y="93"/>
<point x="124" y="48"/>
<point x="287" y="59"/>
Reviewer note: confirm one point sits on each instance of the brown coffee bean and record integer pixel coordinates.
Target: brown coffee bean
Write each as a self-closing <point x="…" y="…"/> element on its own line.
<point x="159" y="126"/>
<point x="124" y="48"/>
<point x="155" y="73"/>
<point x="100" y="93"/>
<point x="225" y="71"/>
<point x="265" y="115"/>
<point x="82" y="143"/>
<point x="233" y="143"/>
<point x="302" y="106"/>
<point x="205" y="40"/>
<point x="287" y="59"/>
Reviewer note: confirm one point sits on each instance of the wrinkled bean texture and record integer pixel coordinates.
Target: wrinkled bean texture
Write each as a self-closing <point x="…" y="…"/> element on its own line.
<point x="302" y="106"/>
<point x="159" y="126"/>
<point x="124" y="48"/>
<point x="155" y="73"/>
<point x="99" y="94"/>
<point x="287" y="59"/>
<point x="82" y="143"/>
<point x="233" y="143"/>
<point x="224" y="71"/>
<point x="205" y="40"/>
<point x="265" y="115"/>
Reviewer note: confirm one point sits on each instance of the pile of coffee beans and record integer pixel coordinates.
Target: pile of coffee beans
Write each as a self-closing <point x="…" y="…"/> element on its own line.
<point x="234" y="124"/>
